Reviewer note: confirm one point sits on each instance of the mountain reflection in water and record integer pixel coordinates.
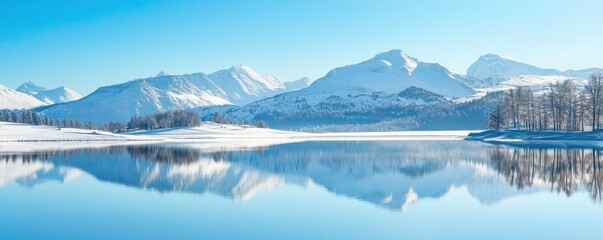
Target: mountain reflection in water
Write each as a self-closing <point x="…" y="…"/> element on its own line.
<point x="390" y="174"/>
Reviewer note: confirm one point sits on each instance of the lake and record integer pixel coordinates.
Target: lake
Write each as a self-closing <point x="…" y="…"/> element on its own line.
<point x="306" y="190"/>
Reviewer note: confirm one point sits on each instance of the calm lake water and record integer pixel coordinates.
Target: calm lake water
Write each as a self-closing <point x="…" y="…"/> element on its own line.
<point x="309" y="190"/>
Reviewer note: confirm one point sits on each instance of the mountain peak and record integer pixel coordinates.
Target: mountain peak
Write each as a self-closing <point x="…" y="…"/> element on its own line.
<point x="397" y="57"/>
<point x="162" y="74"/>
<point x="241" y="68"/>
<point x="298" y="84"/>
<point x="490" y="57"/>
<point x="30" y="88"/>
<point x="306" y="80"/>
<point x="391" y="72"/>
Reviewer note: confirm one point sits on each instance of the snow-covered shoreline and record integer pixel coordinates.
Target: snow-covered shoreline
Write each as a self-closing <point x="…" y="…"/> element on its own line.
<point x="524" y="135"/>
<point x="19" y="134"/>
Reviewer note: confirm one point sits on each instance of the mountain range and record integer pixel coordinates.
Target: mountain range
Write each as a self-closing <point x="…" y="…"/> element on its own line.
<point x="238" y="85"/>
<point x="29" y="95"/>
<point x="391" y="90"/>
<point x="493" y="72"/>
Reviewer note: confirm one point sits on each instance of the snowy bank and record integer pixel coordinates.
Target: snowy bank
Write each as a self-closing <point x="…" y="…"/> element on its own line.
<point x="523" y="135"/>
<point x="18" y="136"/>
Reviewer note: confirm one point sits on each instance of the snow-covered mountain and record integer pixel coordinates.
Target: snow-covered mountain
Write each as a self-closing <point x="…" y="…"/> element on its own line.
<point x="12" y="99"/>
<point x="236" y="85"/>
<point x="494" y="66"/>
<point x="492" y="72"/>
<point x="30" y="88"/>
<point x="392" y="72"/>
<point x="298" y="84"/>
<point x="139" y="97"/>
<point x="49" y="96"/>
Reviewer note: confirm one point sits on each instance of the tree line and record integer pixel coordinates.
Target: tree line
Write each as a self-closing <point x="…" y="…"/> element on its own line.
<point x="159" y="120"/>
<point x="562" y="106"/>
<point x="34" y="118"/>
<point x="167" y="119"/>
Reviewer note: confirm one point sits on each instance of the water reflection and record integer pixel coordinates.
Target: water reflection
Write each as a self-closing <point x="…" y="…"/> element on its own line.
<point x="392" y="175"/>
<point x="563" y="170"/>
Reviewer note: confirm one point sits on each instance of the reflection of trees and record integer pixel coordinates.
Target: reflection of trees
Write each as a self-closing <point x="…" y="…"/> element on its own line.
<point x="564" y="170"/>
<point x="158" y="153"/>
<point x="163" y="153"/>
<point x="25" y="158"/>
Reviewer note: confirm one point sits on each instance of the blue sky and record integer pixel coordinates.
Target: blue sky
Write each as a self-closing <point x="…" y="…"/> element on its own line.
<point x="87" y="44"/>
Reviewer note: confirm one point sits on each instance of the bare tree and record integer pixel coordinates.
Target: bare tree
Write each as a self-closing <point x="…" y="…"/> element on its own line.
<point x="594" y="89"/>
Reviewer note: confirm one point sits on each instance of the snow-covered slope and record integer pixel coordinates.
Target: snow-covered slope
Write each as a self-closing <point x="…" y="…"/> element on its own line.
<point x="298" y="84"/>
<point x="243" y="85"/>
<point x="22" y="132"/>
<point x="49" y="96"/>
<point x="12" y="99"/>
<point x="57" y="95"/>
<point x="237" y="85"/>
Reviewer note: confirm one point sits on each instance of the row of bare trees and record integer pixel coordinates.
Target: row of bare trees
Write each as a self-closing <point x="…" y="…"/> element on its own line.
<point x="562" y="106"/>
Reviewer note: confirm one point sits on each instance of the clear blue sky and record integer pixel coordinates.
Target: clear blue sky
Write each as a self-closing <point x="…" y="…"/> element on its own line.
<point x="87" y="44"/>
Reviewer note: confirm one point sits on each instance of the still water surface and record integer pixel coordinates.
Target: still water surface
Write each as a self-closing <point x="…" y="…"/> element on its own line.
<point x="309" y="190"/>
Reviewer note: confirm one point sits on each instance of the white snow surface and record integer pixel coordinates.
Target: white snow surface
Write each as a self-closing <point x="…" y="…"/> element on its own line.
<point x="298" y="84"/>
<point x="220" y="134"/>
<point x="57" y="95"/>
<point x="22" y="132"/>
